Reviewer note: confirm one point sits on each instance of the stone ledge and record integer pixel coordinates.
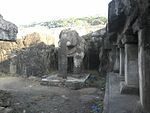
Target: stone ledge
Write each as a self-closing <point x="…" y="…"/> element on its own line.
<point x="126" y="89"/>
<point x="114" y="102"/>
<point x="139" y="108"/>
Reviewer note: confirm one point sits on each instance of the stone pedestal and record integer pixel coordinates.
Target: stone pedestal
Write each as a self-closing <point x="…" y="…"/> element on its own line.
<point x="71" y="82"/>
<point x="144" y="67"/>
<point x="122" y="61"/>
<point x="131" y="84"/>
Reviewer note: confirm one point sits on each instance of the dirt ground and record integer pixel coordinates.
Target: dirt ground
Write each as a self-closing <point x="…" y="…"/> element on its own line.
<point x="28" y="96"/>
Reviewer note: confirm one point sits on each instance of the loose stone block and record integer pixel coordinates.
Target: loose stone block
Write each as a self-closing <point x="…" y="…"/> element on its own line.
<point x="125" y="89"/>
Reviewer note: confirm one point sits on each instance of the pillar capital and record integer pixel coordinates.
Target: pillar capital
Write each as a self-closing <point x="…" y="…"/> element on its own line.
<point x="120" y="45"/>
<point x="129" y="39"/>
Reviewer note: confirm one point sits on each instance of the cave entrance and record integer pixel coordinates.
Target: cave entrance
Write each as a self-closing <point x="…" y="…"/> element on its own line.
<point x="93" y="59"/>
<point x="70" y="65"/>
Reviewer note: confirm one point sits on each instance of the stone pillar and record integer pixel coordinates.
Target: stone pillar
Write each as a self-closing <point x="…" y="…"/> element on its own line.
<point x="131" y="65"/>
<point x="116" y="65"/>
<point x="62" y="59"/>
<point x="122" y="61"/>
<point x="12" y="67"/>
<point x="131" y="84"/>
<point x="77" y="64"/>
<point x="144" y="68"/>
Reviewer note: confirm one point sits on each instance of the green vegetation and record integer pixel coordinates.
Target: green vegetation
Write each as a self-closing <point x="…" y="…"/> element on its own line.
<point x="70" y="22"/>
<point x="98" y="81"/>
<point x="96" y="105"/>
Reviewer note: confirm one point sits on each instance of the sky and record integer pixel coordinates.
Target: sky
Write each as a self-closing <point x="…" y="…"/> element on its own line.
<point x="23" y="12"/>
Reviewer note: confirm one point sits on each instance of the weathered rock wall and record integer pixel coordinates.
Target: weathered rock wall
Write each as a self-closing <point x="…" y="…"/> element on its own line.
<point x="32" y="55"/>
<point x="128" y="31"/>
<point x="97" y="52"/>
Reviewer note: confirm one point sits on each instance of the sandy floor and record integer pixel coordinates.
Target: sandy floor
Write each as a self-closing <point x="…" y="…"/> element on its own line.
<point x="28" y="96"/>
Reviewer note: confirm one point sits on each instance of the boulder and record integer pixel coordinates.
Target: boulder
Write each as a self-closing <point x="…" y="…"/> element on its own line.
<point x="8" y="30"/>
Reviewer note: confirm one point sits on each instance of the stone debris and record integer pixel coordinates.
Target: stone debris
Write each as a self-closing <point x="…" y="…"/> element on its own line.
<point x="65" y="97"/>
<point x="5" y="102"/>
<point x="5" y="99"/>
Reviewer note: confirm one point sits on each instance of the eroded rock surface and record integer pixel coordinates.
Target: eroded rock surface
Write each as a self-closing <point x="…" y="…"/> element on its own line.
<point x="8" y="30"/>
<point x="96" y="54"/>
<point x="71" y="52"/>
<point x="32" y="55"/>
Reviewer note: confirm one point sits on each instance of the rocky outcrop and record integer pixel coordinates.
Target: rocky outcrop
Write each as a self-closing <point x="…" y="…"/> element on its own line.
<point x="37" y="60"/>
<point x="35" y="38"/>
<point x="35" y="54"/>
<point x="8" y="30"/>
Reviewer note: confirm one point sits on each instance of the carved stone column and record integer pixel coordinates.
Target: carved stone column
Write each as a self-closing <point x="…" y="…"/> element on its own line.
<point x="131" y="65"/>
<point x="116" y="64"/>
<point x="122" y="61"/>
<point x="131" y="84"/>
<point x="62" y="59"/>
<point x="144" y="67"/>
<point x="13" y="68"/>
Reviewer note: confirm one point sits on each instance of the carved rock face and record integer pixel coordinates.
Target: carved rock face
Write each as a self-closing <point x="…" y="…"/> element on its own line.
<point x="74" y="43"/>
<point x="119" y="10"/>
<point x="8" y="30"/>
<point x="71" y="46"/>
<point x="71" y="37"/>
<point x="124" y="6"/>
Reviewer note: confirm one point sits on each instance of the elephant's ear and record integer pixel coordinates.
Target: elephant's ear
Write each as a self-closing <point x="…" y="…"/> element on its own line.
<point x="60" y="34"/>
